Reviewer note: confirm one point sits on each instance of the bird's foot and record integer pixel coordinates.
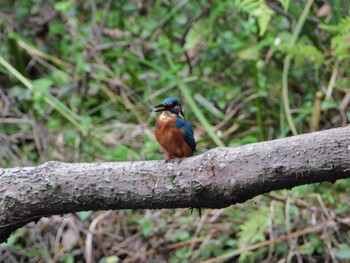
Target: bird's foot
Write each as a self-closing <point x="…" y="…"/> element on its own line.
<point x="199" y="209"/>
<point x="181" y="159"/>
<point x="168" y="159"/>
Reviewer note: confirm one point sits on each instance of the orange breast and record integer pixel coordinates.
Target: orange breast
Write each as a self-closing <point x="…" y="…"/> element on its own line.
<point x="172" y="139"/>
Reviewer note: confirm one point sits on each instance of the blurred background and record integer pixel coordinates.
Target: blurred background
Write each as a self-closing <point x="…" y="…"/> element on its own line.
<point x="78" y="83"/>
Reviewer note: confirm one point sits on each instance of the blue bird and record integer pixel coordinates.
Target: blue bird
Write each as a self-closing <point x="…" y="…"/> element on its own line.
<point x="172" y="131"/>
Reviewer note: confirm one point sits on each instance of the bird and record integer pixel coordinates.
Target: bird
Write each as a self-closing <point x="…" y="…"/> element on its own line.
<point x="172" y="131"/>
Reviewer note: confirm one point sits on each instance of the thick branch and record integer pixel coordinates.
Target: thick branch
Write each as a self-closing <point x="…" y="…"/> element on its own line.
<point x="217" y="178"/>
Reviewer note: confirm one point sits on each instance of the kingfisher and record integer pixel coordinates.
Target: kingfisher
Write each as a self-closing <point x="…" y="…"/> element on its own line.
<point x="172" y="131"/>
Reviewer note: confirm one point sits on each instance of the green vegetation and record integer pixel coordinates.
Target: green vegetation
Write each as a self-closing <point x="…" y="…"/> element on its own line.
<point x="78" y="82"/>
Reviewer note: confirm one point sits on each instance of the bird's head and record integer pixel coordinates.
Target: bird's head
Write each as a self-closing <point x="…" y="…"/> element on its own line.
<point x="171" y="104"/>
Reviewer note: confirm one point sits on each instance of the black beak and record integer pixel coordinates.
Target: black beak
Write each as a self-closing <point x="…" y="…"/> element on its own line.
<point x="159" y="108"/>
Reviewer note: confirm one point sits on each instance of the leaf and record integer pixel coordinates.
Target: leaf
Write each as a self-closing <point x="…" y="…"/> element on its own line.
<point x="57" y="28"/>
<point x="307" y="249"/>
<point x="21" y="93"/>
<point x="249" y="53"/>
<point x="42" y="85"/>
<point x="253" y="229"/>
<point x="12" y="240"/>
<point x="340" y="45"/>
<point x="285" y="4"/>
<point x="196" y="34"/>
<point x="340" y="42"/>
<point x="84" y="215"/>
<point x="343" y="251"/>
<point x="209" y="106"/>
<point x="342" y="27"/>
<point x="63" y="5"/>
<point x="110" y="259"/>
<point x="257" y="9"/>
<point x="303" y="53"/>
<point x="147" y="227"/>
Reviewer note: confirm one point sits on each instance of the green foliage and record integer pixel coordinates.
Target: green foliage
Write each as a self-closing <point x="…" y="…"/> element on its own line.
<point x="340" y="41"/>
<point x="78" y="83"/>
<point x="343" y="252"/>
<point x="285" y="4"/>
<point x="253" y="230"/>
<point x="258" y="9"/>
<point x="110" y="259"/>
<point x="310" y="54"/>
<point x="196" y="34"/>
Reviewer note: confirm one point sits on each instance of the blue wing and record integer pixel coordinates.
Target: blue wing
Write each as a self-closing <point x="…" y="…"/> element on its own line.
<point x="188" y="132"/>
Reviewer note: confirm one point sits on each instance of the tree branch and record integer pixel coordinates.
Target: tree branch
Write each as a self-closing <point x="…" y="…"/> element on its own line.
<point x="217" y="178"/>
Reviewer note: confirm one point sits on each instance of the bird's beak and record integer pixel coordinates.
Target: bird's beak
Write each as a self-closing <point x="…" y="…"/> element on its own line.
<point x="159" y="108"/>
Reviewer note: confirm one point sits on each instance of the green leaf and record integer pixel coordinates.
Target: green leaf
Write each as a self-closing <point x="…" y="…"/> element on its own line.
<point x="253" y="229"/>
<point x="42" y="85"/>
<point x="147" y="227"/>
<point x="196" y="34"/>
<point x="308" y="53"/>
<point x="307" y="249"/>
<point x="343" y="251"/>
<point x="340" y="45"/>
<point x="249" y="53"/>
<point x="84" y="215"/>
<point x="285" y="4"/>
<point x="303" y="53"/>
<point x="21" y="93"/>
<point x="209" y="106"/>
<point x="110" y="259"/>
<point x="57" y="28"/>
<point x="63" y="6"/>
<point x="340" y="41"/>
<point x="257" y="9"/>
<point x="12" y="240"/>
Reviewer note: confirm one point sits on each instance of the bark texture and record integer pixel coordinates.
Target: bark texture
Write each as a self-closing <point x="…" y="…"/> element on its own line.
<point x="215" y="179"/>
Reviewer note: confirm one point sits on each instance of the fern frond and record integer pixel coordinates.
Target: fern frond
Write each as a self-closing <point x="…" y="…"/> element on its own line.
<point x="340" y="46"/>
<point x="285" y="4"/>
<point x="303" y="53"/>
<point x="308" y="53"/>
<point x="257" y="9"/>
<point x="342" y="27"/>
<point x="253" y="230"/>
<point x="340" y="42"/>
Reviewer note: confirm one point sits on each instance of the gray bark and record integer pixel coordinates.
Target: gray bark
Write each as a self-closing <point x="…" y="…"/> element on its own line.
<point x="215" y="179"/>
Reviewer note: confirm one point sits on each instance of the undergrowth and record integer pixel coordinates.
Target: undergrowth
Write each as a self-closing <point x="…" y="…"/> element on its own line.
<point x="78" y="82"/>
